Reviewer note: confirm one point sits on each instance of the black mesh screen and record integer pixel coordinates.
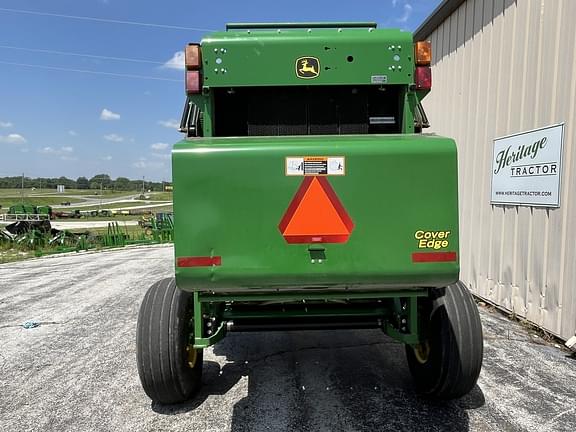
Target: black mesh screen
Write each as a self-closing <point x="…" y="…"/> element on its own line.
<point x="303" y="110"/>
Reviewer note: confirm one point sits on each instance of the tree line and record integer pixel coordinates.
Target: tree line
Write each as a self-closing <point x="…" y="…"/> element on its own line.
<point x="99" y="181"/>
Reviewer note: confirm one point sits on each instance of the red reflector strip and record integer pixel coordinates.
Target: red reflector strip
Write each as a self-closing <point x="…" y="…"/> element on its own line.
<point x="434" y="257"/>
<point x="199" y="261"/>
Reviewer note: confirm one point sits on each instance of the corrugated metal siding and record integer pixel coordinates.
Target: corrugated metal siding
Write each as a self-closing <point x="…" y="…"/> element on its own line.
<point x="501" y="67"/>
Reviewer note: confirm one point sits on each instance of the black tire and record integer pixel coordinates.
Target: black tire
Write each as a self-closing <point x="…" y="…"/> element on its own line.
<point x="162" y="351"/>
<point x="449" y="366"/>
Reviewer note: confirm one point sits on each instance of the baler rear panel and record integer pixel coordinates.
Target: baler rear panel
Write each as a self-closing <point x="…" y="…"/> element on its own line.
<point x="230" y="196"/>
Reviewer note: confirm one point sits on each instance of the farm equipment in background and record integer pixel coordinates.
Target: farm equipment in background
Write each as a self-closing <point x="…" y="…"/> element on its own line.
<point x="145" y="222"/>
<point x="26" y="212"/>
<point x="159" y="226"/>
<point x="95" y="213"/>
<point x="41" y="238"/>
<point x="131" y="212"/>
<point x="72" y="214"/>
<point x="115" y="236"/>
<point x="163" y="227"/>
<point x="315" y="203"/>
<point x="31" y="235"/>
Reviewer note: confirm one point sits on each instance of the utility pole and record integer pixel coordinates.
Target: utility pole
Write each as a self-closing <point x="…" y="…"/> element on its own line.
<point x="22" y="190"/>
<point x="142" y="185"/>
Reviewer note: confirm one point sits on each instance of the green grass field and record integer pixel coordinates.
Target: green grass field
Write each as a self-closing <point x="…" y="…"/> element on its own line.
<point x="10" y="197"/>
<point x="6" y="202"/>
<point x="52" y="192"/>
<point x="132" y="230"/>
<point x="166" y="208"/>
<point x="9" y="254"/>
<point x="117" y="218"/>
<point x="160" y="196"/>
<point x="112" y="206"/>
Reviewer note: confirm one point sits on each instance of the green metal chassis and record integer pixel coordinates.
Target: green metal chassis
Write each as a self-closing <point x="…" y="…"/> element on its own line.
<point x="397" y="311"/>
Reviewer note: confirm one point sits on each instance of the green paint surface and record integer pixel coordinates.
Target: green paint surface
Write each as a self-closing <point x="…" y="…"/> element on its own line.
<point x="231" y="193"/>
<point x="269" y="57"/>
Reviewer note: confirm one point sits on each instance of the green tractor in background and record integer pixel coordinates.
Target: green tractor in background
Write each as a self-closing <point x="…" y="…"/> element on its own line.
<point x="44" y="212"/>
<point x="306" y="198"/>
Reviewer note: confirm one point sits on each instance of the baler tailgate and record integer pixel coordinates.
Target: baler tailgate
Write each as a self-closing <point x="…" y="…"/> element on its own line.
<point x="388" y="219"/>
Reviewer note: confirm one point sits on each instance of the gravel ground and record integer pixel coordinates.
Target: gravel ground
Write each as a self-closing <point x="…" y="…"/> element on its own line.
<point x="77" y="371"/>
<point x="91" y="200"/>
<point x="90" y="224"/>
<point x="66" y="225"/>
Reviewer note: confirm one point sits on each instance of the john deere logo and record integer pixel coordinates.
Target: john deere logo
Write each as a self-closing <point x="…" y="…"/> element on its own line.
<point x="307" y="67"/>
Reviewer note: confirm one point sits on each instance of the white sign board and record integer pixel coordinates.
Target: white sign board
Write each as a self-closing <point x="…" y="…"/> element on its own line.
<point x="526" y="168"/>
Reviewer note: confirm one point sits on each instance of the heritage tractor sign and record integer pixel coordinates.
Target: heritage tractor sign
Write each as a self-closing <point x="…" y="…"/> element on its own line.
<point x="526" y="168"/>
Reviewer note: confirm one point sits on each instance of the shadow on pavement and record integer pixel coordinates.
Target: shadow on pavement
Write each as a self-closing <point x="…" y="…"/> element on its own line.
<point x="323" y="381"/>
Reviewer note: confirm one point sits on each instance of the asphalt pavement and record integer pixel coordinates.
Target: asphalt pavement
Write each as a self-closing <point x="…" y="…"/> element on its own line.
<point x="77" y="370"/>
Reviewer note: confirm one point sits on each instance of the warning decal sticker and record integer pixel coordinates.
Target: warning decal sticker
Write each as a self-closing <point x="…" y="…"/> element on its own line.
<point x="315" y="165"/>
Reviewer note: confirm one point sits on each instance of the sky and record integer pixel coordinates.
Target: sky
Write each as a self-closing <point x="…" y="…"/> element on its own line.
<point x="96" y="86"/>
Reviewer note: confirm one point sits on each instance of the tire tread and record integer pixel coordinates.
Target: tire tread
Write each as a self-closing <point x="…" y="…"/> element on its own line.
<point x="160" y="345"/>
<point x="458" y="361"/>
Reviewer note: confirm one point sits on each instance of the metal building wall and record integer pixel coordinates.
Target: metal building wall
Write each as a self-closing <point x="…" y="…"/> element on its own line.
<point x="501" y="67"/>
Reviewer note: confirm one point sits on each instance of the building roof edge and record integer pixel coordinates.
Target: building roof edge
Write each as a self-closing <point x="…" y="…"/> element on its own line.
<point x="443" y="11"/>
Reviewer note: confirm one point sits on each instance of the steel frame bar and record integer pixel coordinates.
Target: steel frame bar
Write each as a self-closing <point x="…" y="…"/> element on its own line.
<point x="287" y="297"/>
<point x="409" y="336"/>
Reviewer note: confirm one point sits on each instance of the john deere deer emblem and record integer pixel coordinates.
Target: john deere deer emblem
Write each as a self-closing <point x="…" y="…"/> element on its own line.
<point x="307" y="67"/>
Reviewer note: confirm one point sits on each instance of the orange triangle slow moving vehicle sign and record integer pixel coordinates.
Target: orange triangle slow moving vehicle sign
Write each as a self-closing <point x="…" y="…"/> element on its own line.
<point x="316" y="215"/>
